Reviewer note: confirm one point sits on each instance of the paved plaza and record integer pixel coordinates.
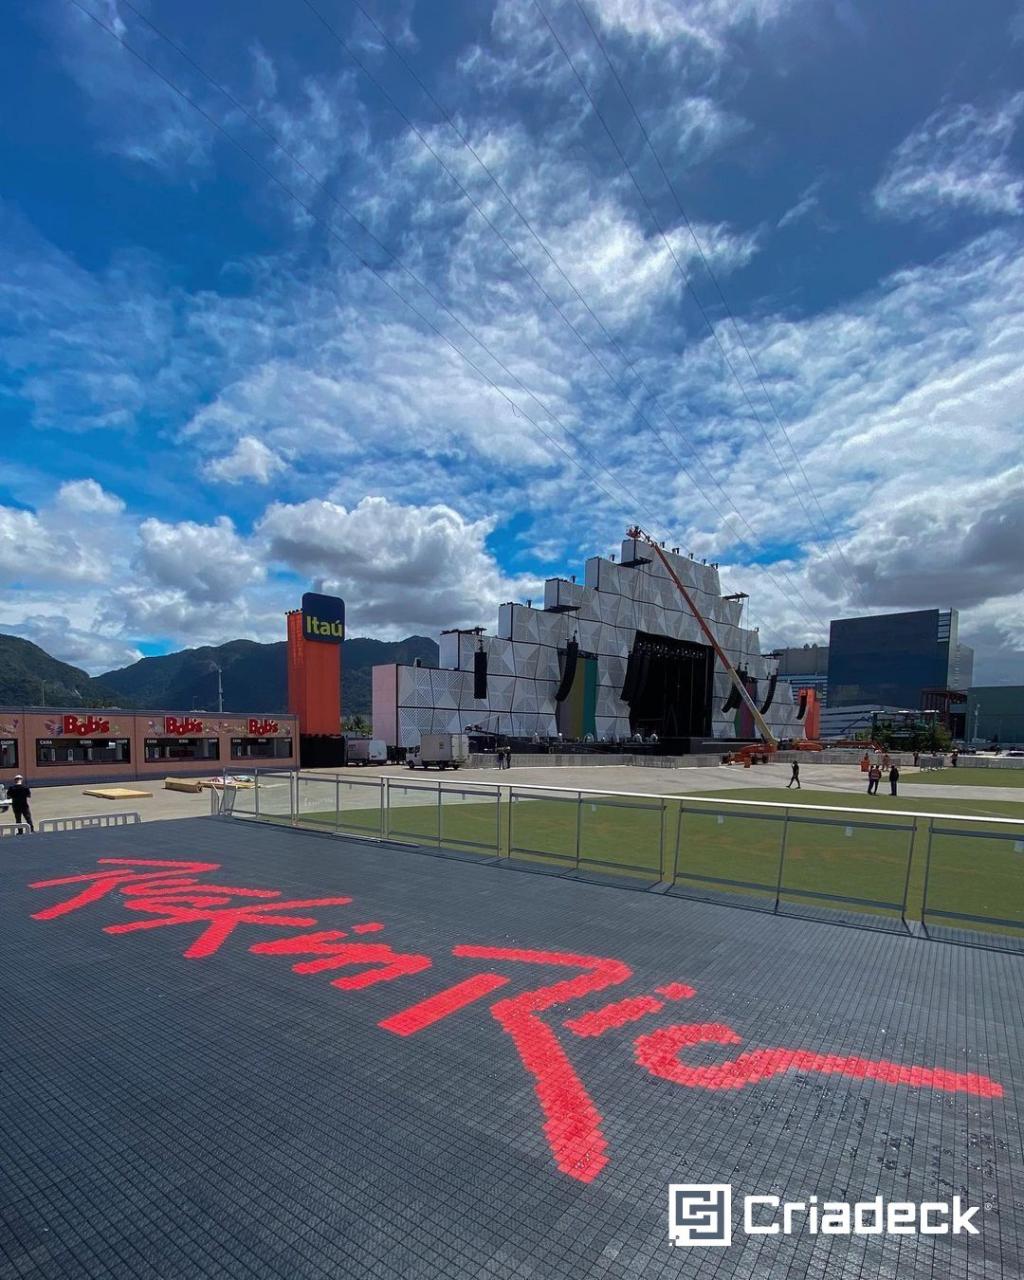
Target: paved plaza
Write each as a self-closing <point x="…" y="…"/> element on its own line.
<point x="245" y="1051"/>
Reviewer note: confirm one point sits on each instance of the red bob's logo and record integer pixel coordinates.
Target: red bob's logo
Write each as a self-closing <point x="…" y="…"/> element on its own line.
<point x="74" y="726"/>
<point x="260" y="728"/>
<point x="179" y="726"/>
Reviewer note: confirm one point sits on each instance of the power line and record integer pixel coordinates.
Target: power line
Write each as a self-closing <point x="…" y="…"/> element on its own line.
<point x="360" y="64"/>
<point x="714" y="279"/>
<point x="360" y="258"/>
<point x="672" y="253"/>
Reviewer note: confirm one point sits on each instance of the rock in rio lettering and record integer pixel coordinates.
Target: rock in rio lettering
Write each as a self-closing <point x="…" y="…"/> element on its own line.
<point x="159" y="894"/>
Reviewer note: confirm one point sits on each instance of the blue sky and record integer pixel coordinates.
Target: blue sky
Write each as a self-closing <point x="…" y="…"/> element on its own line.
<point x="437" y="298"/>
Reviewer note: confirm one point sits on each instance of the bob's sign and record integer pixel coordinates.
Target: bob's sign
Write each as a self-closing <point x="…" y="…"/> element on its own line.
<point x="323" y="618"/>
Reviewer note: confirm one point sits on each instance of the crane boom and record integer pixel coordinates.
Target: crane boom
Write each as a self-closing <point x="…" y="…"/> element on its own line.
<point x="762" y="724"/>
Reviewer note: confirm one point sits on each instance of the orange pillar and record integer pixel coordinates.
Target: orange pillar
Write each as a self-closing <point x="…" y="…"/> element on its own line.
<point x="812" y="716"/>
<point x="314" y="680"/>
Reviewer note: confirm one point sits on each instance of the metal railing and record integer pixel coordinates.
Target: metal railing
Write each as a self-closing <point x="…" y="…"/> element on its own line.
<point x="88" y="820"/>
<point x="886" y="869"/>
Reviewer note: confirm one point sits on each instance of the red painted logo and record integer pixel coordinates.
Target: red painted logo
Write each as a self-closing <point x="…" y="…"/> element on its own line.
<point x="262" y="728"/>
<point x="182" y="726"/>
<point x="161" y="894"/>
<point x="75" y="726"/>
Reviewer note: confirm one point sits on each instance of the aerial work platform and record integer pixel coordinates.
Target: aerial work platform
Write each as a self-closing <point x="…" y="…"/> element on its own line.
<point x="246" y="1051"/>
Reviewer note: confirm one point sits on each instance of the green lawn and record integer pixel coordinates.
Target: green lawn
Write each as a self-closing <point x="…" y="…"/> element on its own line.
<point x="729" y="848"/>
<point x="964" y="776"/>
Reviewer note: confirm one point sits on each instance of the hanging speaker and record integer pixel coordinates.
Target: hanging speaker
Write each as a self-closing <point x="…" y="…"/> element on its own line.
<point x="632" y="675"/>
<point x="771" y="693"/>
<point x="572" y="653"/>
<point x="480" y="674"/>
<point x="733" y="700"/>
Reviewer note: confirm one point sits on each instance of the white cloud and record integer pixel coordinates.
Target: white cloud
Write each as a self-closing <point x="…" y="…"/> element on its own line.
<point x="207" y="563"/>
<point x="87" y="498"/>
<point x="401" y="567"/>
<point x="81" y="647"/>
<point x="138" y="116"/>
<point x="956" y="159"/>
<point x="706" y="21"/>
<point x="808" y="201"/>
<point x="249" y="460"/>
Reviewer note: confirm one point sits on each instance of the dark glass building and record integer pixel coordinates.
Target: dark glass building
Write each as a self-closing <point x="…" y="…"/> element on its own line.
<point x="889" y="659"/>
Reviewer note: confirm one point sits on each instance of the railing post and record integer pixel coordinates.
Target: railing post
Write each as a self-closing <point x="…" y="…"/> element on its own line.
<point x="661" y="840"/>
<point x="906" y="879"/>
<point x="675" y="851"/>
<point x="927" y="879"/>
<point x="579" y="825"/>
<point x="256" y="795"/>
<point x="497" y="822"/>
<point x="782" y="860"/>
<point x="385" y="807"/>
<point x="337" y="804"/>
<point x="508" y="792"/>
<point x="439" y="813"/>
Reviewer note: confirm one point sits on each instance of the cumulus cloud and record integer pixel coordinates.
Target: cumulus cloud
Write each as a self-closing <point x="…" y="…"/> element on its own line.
<point x="935" y="547"/>
<point x="403" y="567"/>
<point x="249" y="460"/>
<point x="957" y="159"/>
<point x="207" y="563"/>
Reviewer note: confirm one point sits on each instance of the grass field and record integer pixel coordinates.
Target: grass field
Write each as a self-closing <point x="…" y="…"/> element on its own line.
<point x="713" y="848"/>
<point x="964" y="776"/>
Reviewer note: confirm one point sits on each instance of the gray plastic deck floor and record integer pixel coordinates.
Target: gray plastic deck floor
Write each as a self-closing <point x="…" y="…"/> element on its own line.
<point x="243" y="1113"/>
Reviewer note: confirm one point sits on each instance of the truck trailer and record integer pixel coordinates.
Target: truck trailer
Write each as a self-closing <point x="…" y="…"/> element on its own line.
<point x="439" y="751"/>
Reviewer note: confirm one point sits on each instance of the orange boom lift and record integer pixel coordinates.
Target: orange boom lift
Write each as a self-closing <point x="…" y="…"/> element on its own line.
<point x="747" y="754"/>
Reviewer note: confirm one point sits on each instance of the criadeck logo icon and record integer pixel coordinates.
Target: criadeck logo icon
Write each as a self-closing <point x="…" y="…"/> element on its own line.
<point x="700" y="1214"/>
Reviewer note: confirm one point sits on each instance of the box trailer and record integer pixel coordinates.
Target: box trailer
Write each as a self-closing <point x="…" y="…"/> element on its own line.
<point x="439" y="751"/>
<point x="366" y="751"/>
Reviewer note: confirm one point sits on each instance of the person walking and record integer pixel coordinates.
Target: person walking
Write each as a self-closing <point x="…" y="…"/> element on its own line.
<point x="874" y="777"/>
<point x="794" y="777"/>
<point x="508" y="757"/>
<point x="894" y="777"/>
<point x="19" y="796"/>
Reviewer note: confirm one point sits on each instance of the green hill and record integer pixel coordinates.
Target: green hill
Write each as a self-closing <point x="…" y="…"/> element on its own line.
<point x="254" y="676"/>
<point x="29" y="677"/>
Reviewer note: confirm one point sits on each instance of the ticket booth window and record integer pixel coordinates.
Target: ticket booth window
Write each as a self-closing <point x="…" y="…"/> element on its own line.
<point x="8" y="753"/>
<point x="158" y="749"/>
<point x="84" y="751"/>
<point x="260" y="748"/>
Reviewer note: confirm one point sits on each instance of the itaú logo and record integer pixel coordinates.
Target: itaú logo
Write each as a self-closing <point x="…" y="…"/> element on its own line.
<point x="324" y="630"/>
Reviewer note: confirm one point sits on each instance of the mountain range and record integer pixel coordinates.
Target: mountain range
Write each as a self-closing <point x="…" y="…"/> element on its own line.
<point x="253" y="676"/>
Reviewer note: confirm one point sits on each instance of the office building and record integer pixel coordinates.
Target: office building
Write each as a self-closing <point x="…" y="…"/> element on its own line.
<point x="892" y="659"/>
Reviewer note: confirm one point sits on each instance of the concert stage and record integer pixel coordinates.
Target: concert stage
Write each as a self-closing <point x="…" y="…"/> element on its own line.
<point x="285" y="1055"/>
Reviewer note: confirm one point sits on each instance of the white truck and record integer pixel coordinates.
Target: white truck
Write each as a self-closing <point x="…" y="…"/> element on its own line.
<point x="366" y="751"/>
<point x="439" y="751"/>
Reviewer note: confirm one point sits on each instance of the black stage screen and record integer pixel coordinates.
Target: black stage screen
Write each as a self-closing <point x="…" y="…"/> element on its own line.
<point x="668" y="686"/>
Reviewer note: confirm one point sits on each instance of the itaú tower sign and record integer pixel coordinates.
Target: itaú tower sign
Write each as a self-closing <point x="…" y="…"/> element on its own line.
<point x="323" y="618"/>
